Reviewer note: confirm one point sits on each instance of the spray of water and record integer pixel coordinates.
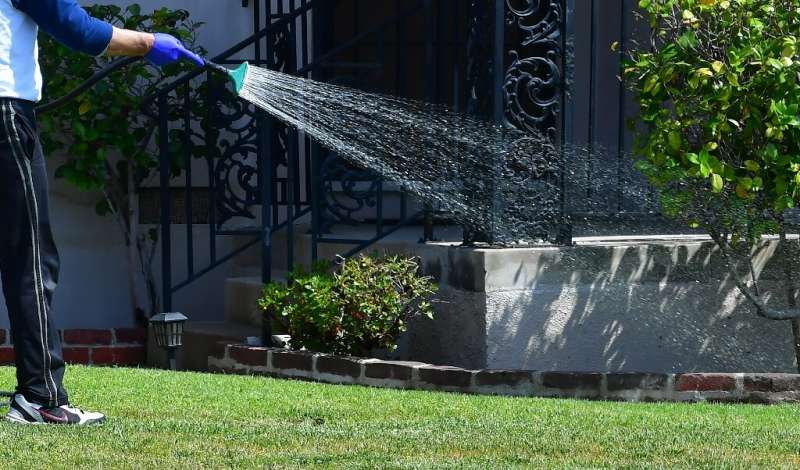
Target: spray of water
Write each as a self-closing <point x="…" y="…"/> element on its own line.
<point x="490" y="178"/>
<point x="504" y="182"/>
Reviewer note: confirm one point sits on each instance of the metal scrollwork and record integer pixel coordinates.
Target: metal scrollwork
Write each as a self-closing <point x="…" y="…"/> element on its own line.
<point x="236" y="172"/>
<point x="534" y="77"/>
<point x="347" y="190"/>
<point x="533" y="177"/>
<point x="539" y="19"/>
<point x="532" y="92"/>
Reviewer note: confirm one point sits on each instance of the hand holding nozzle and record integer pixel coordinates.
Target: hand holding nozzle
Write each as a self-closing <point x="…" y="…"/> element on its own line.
<point x="169" y="49"/>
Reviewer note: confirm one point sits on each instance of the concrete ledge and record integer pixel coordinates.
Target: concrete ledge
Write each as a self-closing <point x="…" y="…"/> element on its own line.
<point x="618" y="304"/>
<point x="693" y="387"/>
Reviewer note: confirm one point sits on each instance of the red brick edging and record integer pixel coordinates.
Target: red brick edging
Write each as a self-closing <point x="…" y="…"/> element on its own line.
<point x="117" y="346"/>
<point x="689" y="387"/>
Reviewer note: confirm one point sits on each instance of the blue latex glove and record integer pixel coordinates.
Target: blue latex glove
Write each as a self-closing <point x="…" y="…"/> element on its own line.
<point x="168" y="49"/>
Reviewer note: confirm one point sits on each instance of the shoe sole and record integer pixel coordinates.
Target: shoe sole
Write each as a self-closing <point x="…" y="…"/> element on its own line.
<point x="12" y="419"/>
<point x="15" y="420"/>
<point x="95" y="422"/>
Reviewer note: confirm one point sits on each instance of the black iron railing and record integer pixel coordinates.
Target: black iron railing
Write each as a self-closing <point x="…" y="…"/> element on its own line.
<point x="261" y="176"/>
<point x="533" y="65"/>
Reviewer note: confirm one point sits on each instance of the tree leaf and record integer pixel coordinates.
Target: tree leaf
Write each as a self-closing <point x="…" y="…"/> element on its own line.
<point x="716" y="183"/>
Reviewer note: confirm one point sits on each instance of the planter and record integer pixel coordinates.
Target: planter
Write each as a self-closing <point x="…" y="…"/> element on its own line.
<point x="688" y="387"/>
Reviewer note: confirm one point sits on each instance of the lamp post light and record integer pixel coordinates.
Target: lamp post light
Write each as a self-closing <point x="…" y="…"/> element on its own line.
<point x="168" y="331"/>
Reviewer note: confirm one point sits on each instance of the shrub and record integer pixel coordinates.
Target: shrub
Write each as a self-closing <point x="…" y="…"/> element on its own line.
<point x="365" y="304"/>
<point x="718" y="92"/>
<point x="719" y="97"/>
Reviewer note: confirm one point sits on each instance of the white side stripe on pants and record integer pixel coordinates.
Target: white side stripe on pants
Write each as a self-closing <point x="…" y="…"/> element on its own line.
<point x="23" y="164"/>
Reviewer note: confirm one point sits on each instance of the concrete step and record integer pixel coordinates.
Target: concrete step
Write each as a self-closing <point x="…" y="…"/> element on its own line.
<point x="198" y="340"/>
<point x="241" y="298"/>
<point x="405" y="240"/>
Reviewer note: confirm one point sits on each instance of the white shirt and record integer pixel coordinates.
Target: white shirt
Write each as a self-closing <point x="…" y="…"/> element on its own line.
<point x="20" y="75"/>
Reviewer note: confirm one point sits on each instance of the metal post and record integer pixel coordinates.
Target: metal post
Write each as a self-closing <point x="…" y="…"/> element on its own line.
<point x="165" y="169"/>
<point x="595" y="14"/>
<point x="498" y="109"/>
<point x="292" y="157"/>
<point x="315" y="177"/>
<point x="430" y="92"/>
<point x="265" y="170"/>
<point x="498" y="70"/>
<point x="256" y="29"/>
<point x="265" y="132"/>
<point x="187" y="155"/>
<point x="171" y="358"/>
<point x="564" y="235"/>
<point x="265" y="175"/>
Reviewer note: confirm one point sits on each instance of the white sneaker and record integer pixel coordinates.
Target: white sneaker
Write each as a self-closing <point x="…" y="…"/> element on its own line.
<point x="23" y="411"/>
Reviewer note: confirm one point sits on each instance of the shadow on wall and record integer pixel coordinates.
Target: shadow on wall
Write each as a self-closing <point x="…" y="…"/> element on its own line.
<point x="655" y="307"/>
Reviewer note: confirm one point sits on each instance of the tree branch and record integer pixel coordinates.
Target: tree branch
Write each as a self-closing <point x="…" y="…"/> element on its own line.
<point x="761" y="308"/>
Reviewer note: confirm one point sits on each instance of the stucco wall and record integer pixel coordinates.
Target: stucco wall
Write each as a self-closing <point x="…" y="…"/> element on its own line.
<point x="227" y="22"/>
<point x="661" y="306"/>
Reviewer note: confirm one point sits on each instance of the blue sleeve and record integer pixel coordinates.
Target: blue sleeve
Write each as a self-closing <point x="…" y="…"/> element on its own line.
<point x="69" y="24"/>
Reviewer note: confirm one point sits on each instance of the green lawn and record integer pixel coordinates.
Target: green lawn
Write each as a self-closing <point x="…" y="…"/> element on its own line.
<point x="180" y="420"/>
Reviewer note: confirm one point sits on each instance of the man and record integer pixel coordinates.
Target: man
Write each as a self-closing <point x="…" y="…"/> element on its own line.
<point x="29" y="261"/>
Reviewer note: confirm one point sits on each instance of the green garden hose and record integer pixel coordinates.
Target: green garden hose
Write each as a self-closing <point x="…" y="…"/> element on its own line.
<point x="85" y="86"/>
<point x="237" y="76"/>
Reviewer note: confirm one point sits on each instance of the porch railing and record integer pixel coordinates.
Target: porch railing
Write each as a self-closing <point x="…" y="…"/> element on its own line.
<point x="256" y="176"/>
<point x="516" y="62"/>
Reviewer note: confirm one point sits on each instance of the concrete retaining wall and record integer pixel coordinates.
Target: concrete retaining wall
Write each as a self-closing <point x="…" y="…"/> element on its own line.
<point x="664" y="305"/>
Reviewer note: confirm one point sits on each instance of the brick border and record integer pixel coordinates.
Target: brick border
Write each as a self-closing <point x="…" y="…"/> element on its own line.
<point x="689" y="387"/>
<point x="107" y="347"/>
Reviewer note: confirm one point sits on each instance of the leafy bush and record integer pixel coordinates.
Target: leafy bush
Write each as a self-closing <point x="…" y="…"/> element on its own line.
<point x="719" y="90"/>
<point x="365" y="304"/>
<point x="719" y="97"/>
<point x="105" y="138"/>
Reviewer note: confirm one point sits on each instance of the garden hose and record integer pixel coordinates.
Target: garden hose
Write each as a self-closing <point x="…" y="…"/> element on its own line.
<point x="86" y="85"/>
<point x="237" y="76"/>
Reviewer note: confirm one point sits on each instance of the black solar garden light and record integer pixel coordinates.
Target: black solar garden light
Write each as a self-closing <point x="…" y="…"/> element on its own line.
<point x="168" y="331"/>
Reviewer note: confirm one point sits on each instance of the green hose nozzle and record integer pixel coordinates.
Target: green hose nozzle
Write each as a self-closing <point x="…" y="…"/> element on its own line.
<point x="236" y="75"/>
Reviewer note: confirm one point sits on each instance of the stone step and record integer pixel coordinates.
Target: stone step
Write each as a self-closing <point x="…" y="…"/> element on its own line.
<point x="405" y="240"/>
<point x="241" y="298"/>
<point x="199" y="339"/>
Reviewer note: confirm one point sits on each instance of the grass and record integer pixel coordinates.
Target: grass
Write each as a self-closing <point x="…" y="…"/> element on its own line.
<point x="179" y="420"/>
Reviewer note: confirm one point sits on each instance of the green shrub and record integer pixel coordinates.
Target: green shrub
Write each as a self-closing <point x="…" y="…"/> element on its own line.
<point x="718" y="90"/>
<point x="365" y="304"/>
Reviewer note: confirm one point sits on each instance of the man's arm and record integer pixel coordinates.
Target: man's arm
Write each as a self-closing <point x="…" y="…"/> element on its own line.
<point x="127" y="42"/>
<point x="72" y="26"/>
<point x="69" y="24"/>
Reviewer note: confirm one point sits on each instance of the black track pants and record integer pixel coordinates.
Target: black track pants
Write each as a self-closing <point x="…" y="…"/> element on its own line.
<point x="28" y="256"/>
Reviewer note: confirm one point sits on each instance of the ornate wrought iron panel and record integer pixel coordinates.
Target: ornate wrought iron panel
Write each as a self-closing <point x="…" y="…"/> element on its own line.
<point x="237" y="176"/>
<point x="520" y="71"/>
<point x="533" y="78"/>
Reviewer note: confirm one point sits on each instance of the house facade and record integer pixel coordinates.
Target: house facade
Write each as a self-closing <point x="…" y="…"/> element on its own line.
<point x="267" y="198"/>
